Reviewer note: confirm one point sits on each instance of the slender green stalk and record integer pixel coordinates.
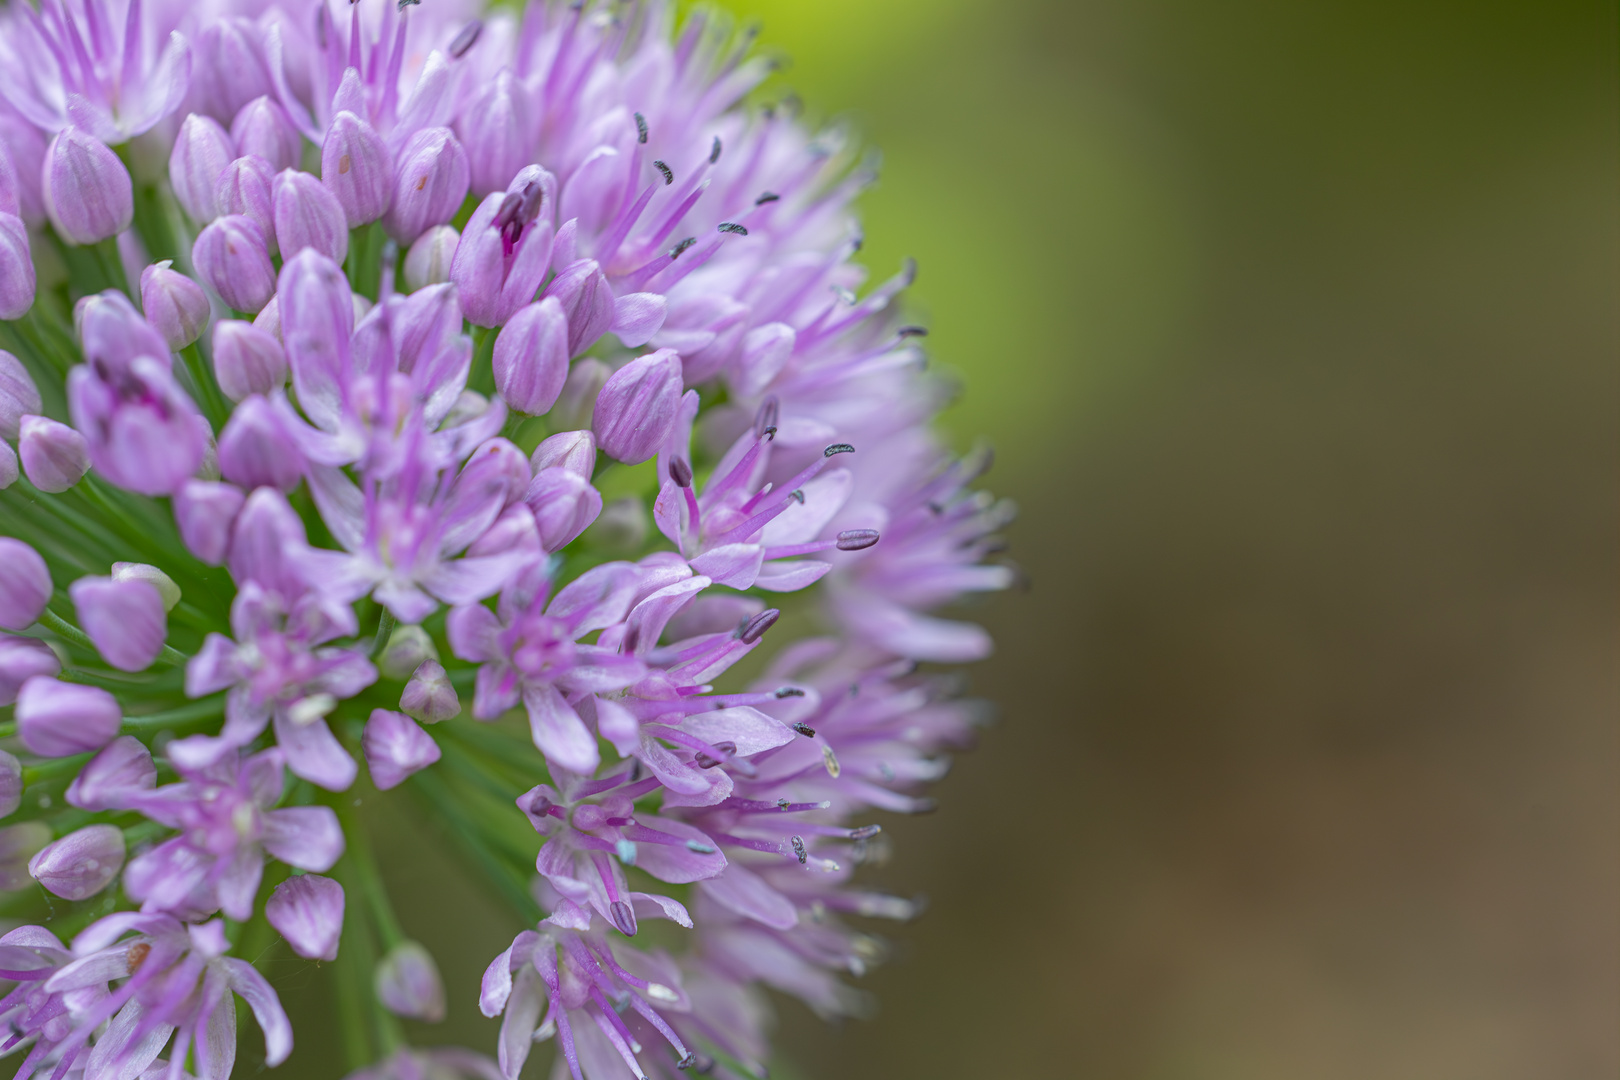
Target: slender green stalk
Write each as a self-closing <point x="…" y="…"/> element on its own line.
<point x="66" y="630"/>
<point x="112" y="265"/>
<point x="211" y="400"/>
<point x="197" y="710"/>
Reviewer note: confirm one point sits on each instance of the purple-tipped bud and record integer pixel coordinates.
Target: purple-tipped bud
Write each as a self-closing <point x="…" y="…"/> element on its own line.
<point x="247" y="187"/>
<point x="571" y="450"/>
<point x="636" y="408"/>
<point x="20" y="660"/>
<point x="203" y="512"/>
<point x="408" y="984"/>
<point x="125" y="619"/>
<point x="123" y="768"/>
<point x="143" y="433"/>
<point x="407" y="648"/>
<point x="356" y="166"/>
<point x="201" y="151"/>
<point x="308" y="215"/>
<point x="587" y="302"/>
<point x="428" y="696"/>
<point x="80" y="864"/>
<point x="505" y="250"/>
<point x="163" y="583"/>
<point x="428" y="261"/>
<point x="88" y="194"/>
<point x="429" y="184"/>
<point x="18" y="844"/>
<point x="857" y="539"/>
<point x="54" y="456"/>
<point x="11" y="784"/>
<point x="58" y="719"/>
<point x="247" y="360"/>
<point x="232" y="257"/>
<point x="307" y="910"/>
<point x="16" y="268"/>
<point x="18" y="395"/>
<point x="564" y="505"/>
<point x="25" y="584"/>
<point x="531" y="357"/>
<point x="255" y="449"/>
<point x="495" y="131"/>
<point x="174" y="304"/>
<point x="395" y="747"/>
<point x="680" y="472"/>
<point x="263" y="129"/>
<point x="755" y="628"/>
<point x="228" y="66"/>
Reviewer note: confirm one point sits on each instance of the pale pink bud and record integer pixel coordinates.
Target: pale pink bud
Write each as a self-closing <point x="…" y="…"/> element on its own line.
<point x="408" y="983"/>
<point x="18" y="395"/>
<point x="203" y="512"/>
<point x="201" y="151"/>
<point x="357" y="168"/>
<point x="636" y="408"/>
<point x="247" y="360"/>
<point x="307" y="910"/>
<point x="17" y="281"/>
<point x="123" y="767"/>
<point x="263" y="129"/>
<point x="395" y="747"/>
<point x="255" y="449"/>
<point x="174" y="304"/>
<point x="125" y="619"/>
<point x="25" y="584"/>
<point x="571" y="450"/>
<point x="163" y="583"/>
<point x="308" y="215"/>
<point x="429" y="184"/>
<point x="80" y="864"/>
<point x="20" y="660"/>
<point x="58" y="719"/>
<point x="232" y="257"/>
<point x="428" y="261"/>
<point x="54" y="456"/>
<point x="531" y="357"/>
<point x="88" y="194"/>
<point x="428" y="695"/>
<point x="246" y="187"/>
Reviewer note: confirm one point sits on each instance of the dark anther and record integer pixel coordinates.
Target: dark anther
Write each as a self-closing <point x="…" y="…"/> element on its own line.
<point x="641" y="128"/>
<point x="733" y="227"/>
<point x="507" y="212"/>
<point x="913" y="331"/>
<point x="797" y="495"/>
<point x="798" y="849"/>
<point x="857" y="539"/>
<point x="687" y="1062"/>
<point x="769" y="196"/>
<point x="467" y="38"/>
<point x="755" y="628"/>
<point x="403" y="4"/>
<point x="805" y="729"/>
<point x="865" y="832"/>
<point x="782" y="804"/>
<point x="624" y="918"/>
<point x="675" y="252"/>
<point x="533" y="196"/>
<point x="680" y="472"/>
<point x="663" y="170"/>
<point x="714" y="151"/>
<point x="787" y="692"/>
<point x="765" y="419"/>
<point x="838" y="448"/>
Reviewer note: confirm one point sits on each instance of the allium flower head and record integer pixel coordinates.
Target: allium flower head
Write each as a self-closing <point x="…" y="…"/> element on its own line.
<point x="541" y="401"/>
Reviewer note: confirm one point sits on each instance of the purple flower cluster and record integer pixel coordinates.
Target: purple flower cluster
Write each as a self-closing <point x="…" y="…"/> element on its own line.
<point x="405" y="352"/>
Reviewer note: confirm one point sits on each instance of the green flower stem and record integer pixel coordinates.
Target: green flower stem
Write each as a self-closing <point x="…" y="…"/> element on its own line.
<point x="481" y="377"/>
<point x="367" y="910"/>
<point x="385" y="629"/>
<point x="439" y="804"/>
<point x="66" y="630"/>
<point x="112" y="265"/>
<point x="211" y="400"/>
<point x="205" y="709"/>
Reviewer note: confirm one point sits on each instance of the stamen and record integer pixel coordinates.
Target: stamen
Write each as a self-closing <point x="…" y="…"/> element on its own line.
<point x="623" y="917"/>
<point x="733" y="227"/>
<point x="680" y="472"/>
<point x="857" y="539"/>
<point x="789" y="691"/>
<point x="805" y="729"/>
<point x="913" y="331"/>
<point x="714" y="151"/>
<point x="769" y="196"/>
<point x="663" y="170"/>
<point x="865" y="832"/>
<point x="799" y="849"/>
<point x="755" y="628"/>
<point x="797" y="495"/>
<point x="838" y="448"/>
<point x="675" y="252"/>
<point x="466" y="39"/>
<point x="641" y="128"/>
<point x="403" y="4"/>
<point x="765" y="418"/>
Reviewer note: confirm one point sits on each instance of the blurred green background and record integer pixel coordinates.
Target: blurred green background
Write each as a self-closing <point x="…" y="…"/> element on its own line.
<point x="1294" y="326"/>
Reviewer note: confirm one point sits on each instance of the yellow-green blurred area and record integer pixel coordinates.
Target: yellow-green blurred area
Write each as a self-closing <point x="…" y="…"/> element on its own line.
<point x="1294" y="326"/>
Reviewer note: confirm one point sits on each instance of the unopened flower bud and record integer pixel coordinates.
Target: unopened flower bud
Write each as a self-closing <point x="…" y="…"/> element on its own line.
<point x="174" y="304"/>
<point x="407" y="647"/>
<point x="25" y="584"/>
<point x="80" y="864"/>
<point x="122" y="768"/>
<point x="307" y="910"/>
<point x="88" y="194"/>
<point x="428" y="695"/>
<point x="428" y="261"/>
<point x="408" y="984"/>
<point x="495" y="131"/>
<point x="232" y="257"/>
<point x="636" y="408"/>
<point x="18" y="394"/>
<point x="18" y="844"/>
<point x="11" y="784"/>
<point x="255" y="449"/>
<point x="113" y="334"/>
<point x="135" y="571"/>
<point x="54" y="456"/>
<point x="203" y="512"/>
<point x="357" y="168"/>
<point x="308" y="215"/>
<point x="247" y="187"/>
<point x="228" y="66"/>
<point x="395" y="747"/>
<point x="247" y="360"/>
<point x="9" y="469"/>
<point x="201" y="151"/>
<point x="125" y="619"/>
<point x="564" y="504"/>
<point x="637" y="317"/>
<point x="571" y="450"/>
<point x="513" y="531"/>
<point x="58" y="719"/>
<point x="429" y="184"/>
<point x="587" y="302"/>
<point x="531" y="357"/>
<point x="505" y="249"/>
<point x="20" y="660"/>
<point x="10" y="185"/>
<point x="17" y="282"/>
<point x="263" y="129"/>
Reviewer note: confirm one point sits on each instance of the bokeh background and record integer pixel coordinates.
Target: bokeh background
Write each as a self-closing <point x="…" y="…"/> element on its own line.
<point x="1294" y="325"/>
